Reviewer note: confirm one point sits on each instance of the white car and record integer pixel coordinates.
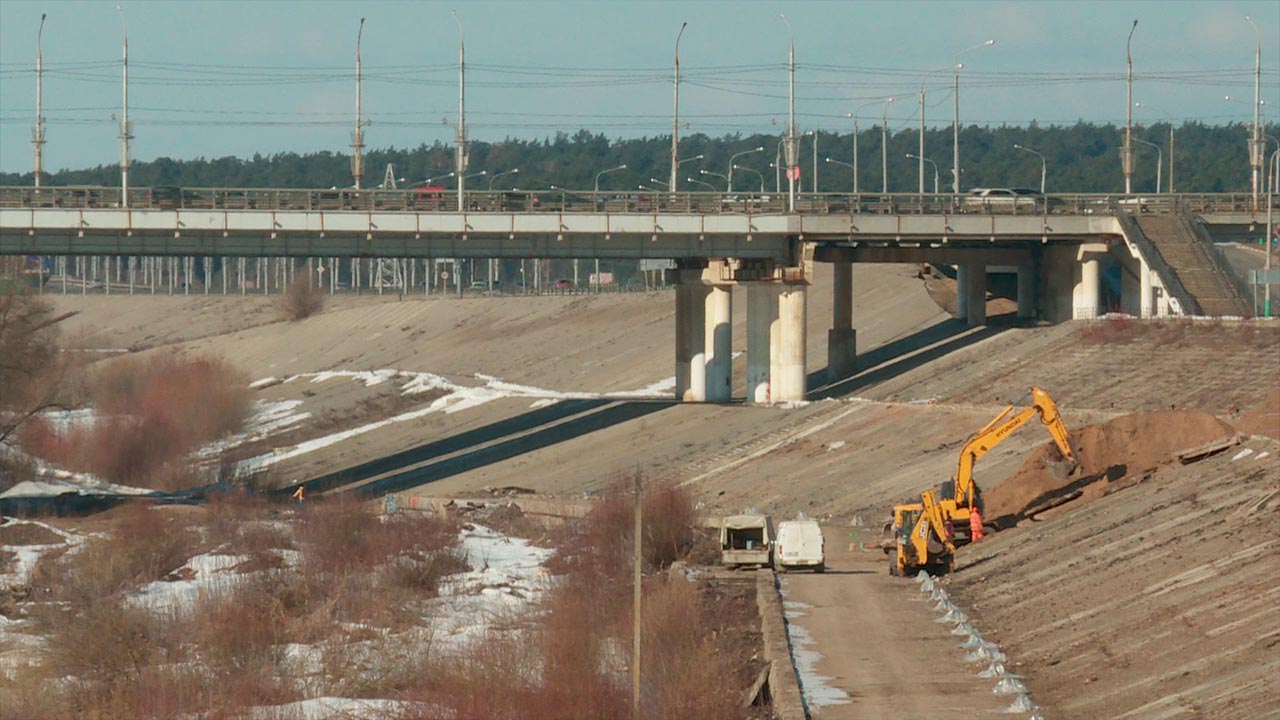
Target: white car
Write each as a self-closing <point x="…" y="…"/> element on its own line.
<point x="800" y="545"/>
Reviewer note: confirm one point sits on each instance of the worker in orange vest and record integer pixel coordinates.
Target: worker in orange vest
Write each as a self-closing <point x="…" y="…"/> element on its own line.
<point x="975" y="525"/>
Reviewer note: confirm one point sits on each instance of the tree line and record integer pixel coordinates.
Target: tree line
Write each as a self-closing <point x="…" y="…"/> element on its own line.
<point x="1084" y="157"/>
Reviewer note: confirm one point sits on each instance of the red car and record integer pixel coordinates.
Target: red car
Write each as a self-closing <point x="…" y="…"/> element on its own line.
<point x="563" y="284"/>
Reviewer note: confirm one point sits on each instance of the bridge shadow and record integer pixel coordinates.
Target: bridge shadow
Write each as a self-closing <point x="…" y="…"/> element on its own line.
<point x="552" y="425"/>
<point x="905" y="354"/>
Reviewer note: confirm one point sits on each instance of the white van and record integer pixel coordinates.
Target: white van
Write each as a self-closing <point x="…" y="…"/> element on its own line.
<point x="799" y="545"/>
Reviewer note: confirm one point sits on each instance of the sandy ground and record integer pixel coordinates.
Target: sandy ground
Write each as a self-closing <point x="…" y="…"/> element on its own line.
<point x="926" y="382"/>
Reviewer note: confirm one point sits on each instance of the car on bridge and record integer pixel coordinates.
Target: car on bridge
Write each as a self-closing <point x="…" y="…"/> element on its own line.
<point x="1003" y="200"/>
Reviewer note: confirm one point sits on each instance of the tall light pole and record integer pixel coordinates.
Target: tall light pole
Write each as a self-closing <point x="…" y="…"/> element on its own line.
<point x="606" y="171"/>
<point x="920" y="154"/>
<point x="884" y="148"/>
<point x="495" y="176"/>
<point x="814" y="132"/>
<point x="955" y="128"/>
<point x="737" y="155"/>
<point x="1126" y="158"/>
<point x="37" y="137"/>
<point x="1256" y="147"/>
<point x="357" y="140"/>
<point x="696" y="181"/>
<point x="856" y="131"/>
<point x="793" y="149"/>
<point x="675" y="116"/>
<point x="922" y="159"/>
<point x="125" y="136"/>
<point x="1044" y="165"/>
<point x="841" y="163"/>
<point x="752" y="170"/>
<point x="461" y="151"/>
<point x="725" y="178"/>
<point x="1170" y="118"/>
<point x="1159" y="159"/>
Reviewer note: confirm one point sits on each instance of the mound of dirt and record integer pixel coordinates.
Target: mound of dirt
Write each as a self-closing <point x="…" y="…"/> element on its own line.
<point x="1263" y="418"/>
<point x="1120" y="448"/>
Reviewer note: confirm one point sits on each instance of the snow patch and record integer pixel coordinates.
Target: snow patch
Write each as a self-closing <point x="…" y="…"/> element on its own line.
<point x="813" y="687"/>
<point x="1242" y="454"/>
<point x="211" y="574"/>
<point x="334" y="708"/>
<point x="835" y="445"/>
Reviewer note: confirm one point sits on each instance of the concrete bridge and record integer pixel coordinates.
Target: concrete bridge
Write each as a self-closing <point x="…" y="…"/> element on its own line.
<point x="1059" y="247"/>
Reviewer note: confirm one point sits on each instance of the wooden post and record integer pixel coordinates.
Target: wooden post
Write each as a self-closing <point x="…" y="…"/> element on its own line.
<point x="635" y="633"/>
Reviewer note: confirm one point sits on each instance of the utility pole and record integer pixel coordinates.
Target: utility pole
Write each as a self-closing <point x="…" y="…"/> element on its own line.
<point x="675" y="117"/>
<point x="793" y="150"/>
<point x="125" y="136"/>
<point x="1256" y="146"/>
<point x="37" y="137"/>
<point x="920" y="154"/>
<point x="637" y="596"/>
<point x="460" y="150"/>
<point x="357" y="142"/>
<point x="955" y="128"/>
<point x="884" y="149"/>
<point x="1126" y="160"/>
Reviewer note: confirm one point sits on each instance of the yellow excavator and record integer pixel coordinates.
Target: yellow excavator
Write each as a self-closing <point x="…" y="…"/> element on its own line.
<point x="925" y="534"/>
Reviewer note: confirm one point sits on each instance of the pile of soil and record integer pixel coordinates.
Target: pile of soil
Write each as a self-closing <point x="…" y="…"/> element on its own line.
<point x="1123" y="447"/>
<point x="1263" y="418"/>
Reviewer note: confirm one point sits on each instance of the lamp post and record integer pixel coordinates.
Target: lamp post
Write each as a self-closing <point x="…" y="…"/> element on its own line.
<point x="1126" y="158"/>
<point x="446" y="176"/>
<point x="495" y="176"/>
<point x="1044" y="165"/>
<point x="777" y="166"/>
<point x="854" y="115"/>
<point x="735" y="156"/>
<point x="793" y="149"/>
<point x="125" y="136"/>
<point x="703" y="182"/>
<point x="37" y="137"/>
<point x="1159" y="159"/>
<point x="841" y="163"/>
<point x="1256" y="147"/>
<point x="662" y="183"/>
<point x="460" y="150"/>
<point x="922" y="159"/>
<point x="752" y="170"/>
<point x="955" y="128"/>
<point x="716" y="174"/>
<point x="1170" y="118"/>
<point x="357" y="140"/>
<point x="672" y="186"/>
<point x="675" y="116"/>
<point x="884" y="148"/>
<point x="814" y="133"/>
<point x="606" y="171"/>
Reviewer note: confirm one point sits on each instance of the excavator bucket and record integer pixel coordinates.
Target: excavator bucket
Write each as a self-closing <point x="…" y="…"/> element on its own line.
<point x="1060" y="469"/>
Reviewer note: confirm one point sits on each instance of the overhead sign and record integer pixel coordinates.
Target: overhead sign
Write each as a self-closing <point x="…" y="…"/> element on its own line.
<point x="793" y="172"/>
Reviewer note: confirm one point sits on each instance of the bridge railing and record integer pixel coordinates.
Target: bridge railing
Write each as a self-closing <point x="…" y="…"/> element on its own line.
<point x="566" y="201"/>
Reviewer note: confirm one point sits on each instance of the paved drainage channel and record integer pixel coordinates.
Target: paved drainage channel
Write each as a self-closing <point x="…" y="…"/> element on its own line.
<point x="814" y="690"/>
<point x="980" y="652"/>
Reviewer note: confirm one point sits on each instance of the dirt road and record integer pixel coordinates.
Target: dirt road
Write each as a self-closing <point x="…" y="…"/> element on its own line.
<point x="881" y="653"/>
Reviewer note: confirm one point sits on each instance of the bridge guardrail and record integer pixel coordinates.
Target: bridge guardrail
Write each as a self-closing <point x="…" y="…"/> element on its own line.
<point x="566" y="201"/>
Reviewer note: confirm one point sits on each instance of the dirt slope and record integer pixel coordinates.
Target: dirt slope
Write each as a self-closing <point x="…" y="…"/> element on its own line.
<point x="1154" y="602"/>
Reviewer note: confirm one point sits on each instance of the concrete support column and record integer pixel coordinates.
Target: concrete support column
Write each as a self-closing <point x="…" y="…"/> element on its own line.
<point x="1026" y="290"/>
<point x="691" y="370"/>
<point x="762" y="340"/>
<point x="976" y="294"/>
<point x="719" y="343"/>
<point x="1129" y="300"/>
<point x="1085" y="300"/>
<point x="1146" y="299"/>
<point x="792" y="317"/>
<point x="962" y="291"/>
<point x="842" y="353"/>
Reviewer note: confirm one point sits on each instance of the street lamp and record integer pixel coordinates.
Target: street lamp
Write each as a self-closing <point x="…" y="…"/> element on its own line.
<point x="922" y="160"/>
<point x="703" y="182"/>
<point x="37" y="137"/>
<point x="446" y="176"/>
<point x="1256" y="148"/>
<point x="884" y="148"/>
<point x="813" y="133"/>
<point x="1170" y="118"/>
<point x="357" y="140"/>
<point x="955" y="128"/>
<point x="1159" y="159"/>
<point x="716" y="174"/>
<point x="793" y="149"/>
<point x="752" y="170"/>
<point x="606" y="171"/>
<point x="735" y="156"/>
<point x="854" y="115"/>
<point x="460" y="149"/>
<point x="662" y="183"/>
<point x="839" y="162"/>
<point x="1126" y="159"/>
<point x="673" y="186"/>
<point x="675" y="116"/>
<point x="1044" y="165"/>
<point x="495" y="176"/>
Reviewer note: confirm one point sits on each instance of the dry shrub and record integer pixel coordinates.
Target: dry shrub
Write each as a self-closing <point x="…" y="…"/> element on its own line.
<point x="343" y="534"/>
<point x="603" y="539"/>
<point x="1109" y="330"/>
<point x="302" y="299"/>
<point x="153" y="412"/>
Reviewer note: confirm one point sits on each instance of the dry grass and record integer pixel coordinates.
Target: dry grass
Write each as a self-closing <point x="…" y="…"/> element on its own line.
<point x="302" y="299"/>
<point x="153" y="412"/>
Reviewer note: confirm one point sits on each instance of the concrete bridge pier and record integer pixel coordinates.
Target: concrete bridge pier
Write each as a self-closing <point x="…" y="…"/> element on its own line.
<point x="763" y="341"/>
<point x="691" y="366"/>
<point x="1086" y="300"/>
<point x="1146" y="293"/>
<point x="1026" y="290"/>
<point x="842" y="339"/>
<point x="793" y="312"/>
<point x="974" y="292"/>
<point x="718" y="342"/>
<point x="1070" y="277"/>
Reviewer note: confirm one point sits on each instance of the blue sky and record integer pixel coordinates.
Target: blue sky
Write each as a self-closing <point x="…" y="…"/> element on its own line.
<point x="235" y="78"/>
